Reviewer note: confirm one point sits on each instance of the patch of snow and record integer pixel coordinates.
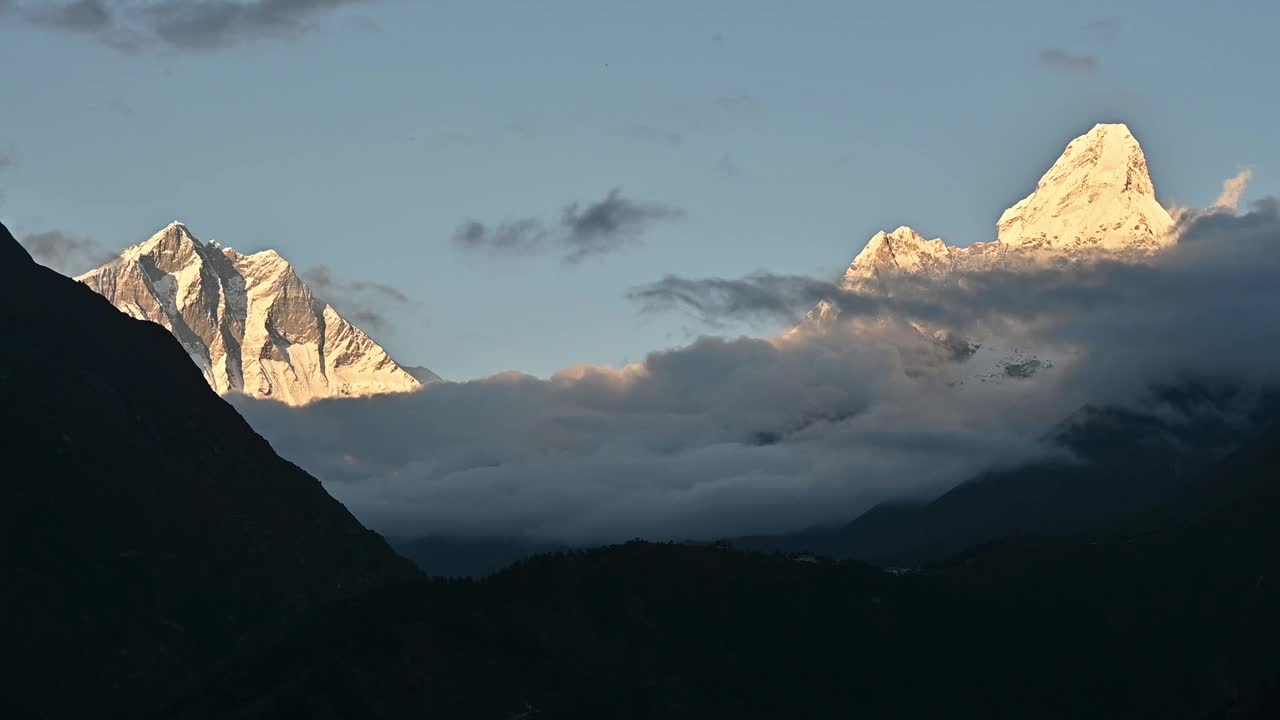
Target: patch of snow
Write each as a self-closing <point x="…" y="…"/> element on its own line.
<point x="1097" y="201"/>
<point x="247" y="321"/>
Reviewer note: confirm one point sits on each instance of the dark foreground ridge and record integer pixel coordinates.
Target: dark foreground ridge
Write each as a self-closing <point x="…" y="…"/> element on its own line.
<point x="161" y="561"/>
<point x="1173" y="622"/>
<point x="147" y="530"/>
<point x="1117" y="460"/>
<point x="1121" y="460"/>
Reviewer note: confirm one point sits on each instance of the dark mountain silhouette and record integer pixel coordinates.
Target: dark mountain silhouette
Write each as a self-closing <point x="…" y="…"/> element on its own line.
<point x="1171" y="615"/>
<point x="445" y="556"/>
<point x="1261" y="703"/>
<point x="161" y="561"/>
<point x="1121" y="461"/>
<point x="145" y="530"/>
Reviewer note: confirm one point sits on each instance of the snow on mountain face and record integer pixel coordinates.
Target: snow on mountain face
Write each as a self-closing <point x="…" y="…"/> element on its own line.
<point x="249" y="323"/>
<point x="1096" y="202"/>
<point x="903" y="251"/>
<point x="1097" y="196"/>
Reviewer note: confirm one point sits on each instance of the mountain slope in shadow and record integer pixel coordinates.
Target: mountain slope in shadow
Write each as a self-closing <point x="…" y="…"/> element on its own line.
<point x="1122" y="461"/>
<point x="162" y="561"/>
<point x="145" y="529"/>
<point x="1169" y="615"/>
<point x="445" y="556"/>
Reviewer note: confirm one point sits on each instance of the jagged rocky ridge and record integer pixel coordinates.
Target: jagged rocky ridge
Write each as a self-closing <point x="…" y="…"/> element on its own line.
<point x="1096" y="202"/>
<point x="249" y="322"/>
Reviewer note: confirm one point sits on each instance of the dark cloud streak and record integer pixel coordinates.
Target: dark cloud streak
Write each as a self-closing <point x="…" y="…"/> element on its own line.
<point x="86" y="16"/>
<point x="67" y="253"/>
<point x="180" y="25"/>
<point x="519" y="236"/>
<point x="728" y="166"/>
<point x="599" y="228"/>
<point x="660" y="136"/>
<point x="758" y="298"/>
<point x="607" y="225"/>
<point x="736" y="103"/>
<point x="361" y="301"/>
<point x="1069" y="63"/>
<point x="1102" y="31"/>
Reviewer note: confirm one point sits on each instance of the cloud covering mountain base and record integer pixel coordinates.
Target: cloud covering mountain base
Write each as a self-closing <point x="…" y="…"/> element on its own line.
<point x="739" y="436"/>
<point x="720" y="437"/>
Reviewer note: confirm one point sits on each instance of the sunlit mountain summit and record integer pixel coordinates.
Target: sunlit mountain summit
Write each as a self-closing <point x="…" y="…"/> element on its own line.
<point x="1096" y="202"/>
<point x="248" y="322"/>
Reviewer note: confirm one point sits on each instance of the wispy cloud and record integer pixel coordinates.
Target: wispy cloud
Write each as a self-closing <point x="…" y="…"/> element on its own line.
<point x="740" y="102"/>
<point x="86" y="16"/>
<point x="758" y="298"/>
<point x="607" y="225"/>
<point x="520" y="129"/>
<point x="1069" y="63"/>
<point x="121" y="106"/>
<point x="727" y="166"/>
<point x="519" y="236"/>
<point x="1233" y="190"/>
<point x="1102" y="31"/>
<point x="598" y="228"/>
<point x="657" y="135"/>
<point x="362" y="301"/>
<point x="65" y="252"/>
<point x="181" y="25"/>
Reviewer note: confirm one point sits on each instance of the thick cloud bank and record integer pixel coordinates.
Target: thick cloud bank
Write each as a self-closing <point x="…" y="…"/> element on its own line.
<point x="736" y="436"/>
<point x="719" y="437"/>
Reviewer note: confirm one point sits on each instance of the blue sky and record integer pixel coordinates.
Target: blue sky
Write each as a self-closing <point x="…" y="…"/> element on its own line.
<point x="361" y="138"/>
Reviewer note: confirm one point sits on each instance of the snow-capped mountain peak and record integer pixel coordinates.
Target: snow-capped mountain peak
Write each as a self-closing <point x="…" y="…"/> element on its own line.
<point x="172" y="238"/>
<point x="903" y="251"/>
<point x="1096" y="202"/>
<point x="1098" y="196"/>
<point x="248" y="321"/>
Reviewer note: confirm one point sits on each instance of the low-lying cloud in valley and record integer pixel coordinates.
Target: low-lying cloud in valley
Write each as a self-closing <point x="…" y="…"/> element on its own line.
<point x="719" y="437"/>
<point x="734" y="436"/>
